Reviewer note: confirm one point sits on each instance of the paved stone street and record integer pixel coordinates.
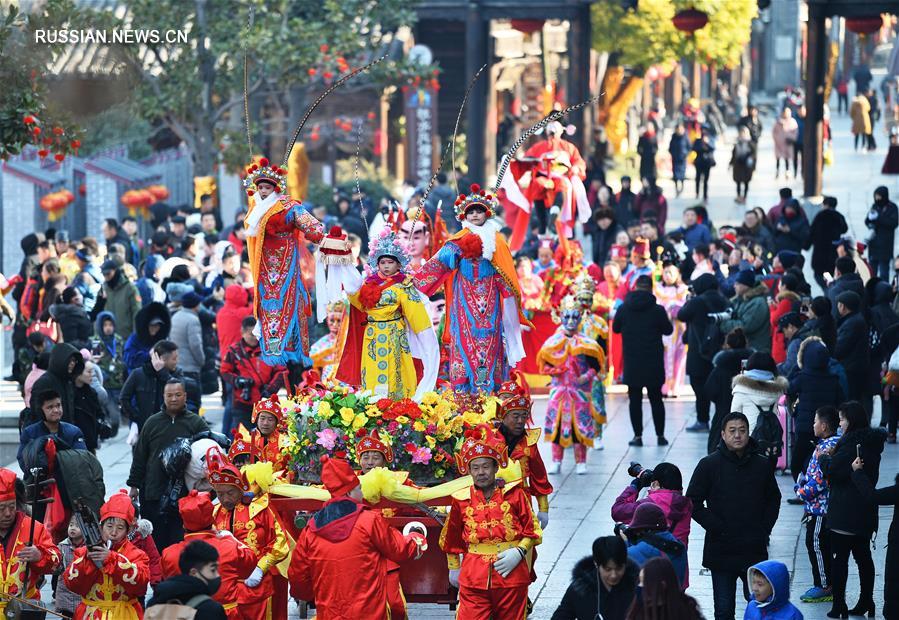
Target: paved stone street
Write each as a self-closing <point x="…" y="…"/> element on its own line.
<point x="581" y="505"/>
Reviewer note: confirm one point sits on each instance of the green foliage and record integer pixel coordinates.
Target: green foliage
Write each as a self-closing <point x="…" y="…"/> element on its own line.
<point x="22" y="66"/>
<point x="647" y="36"/>
<point x="118" y="125"/>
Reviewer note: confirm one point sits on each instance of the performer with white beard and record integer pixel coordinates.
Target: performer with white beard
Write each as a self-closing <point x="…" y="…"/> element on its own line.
<point x="277" y="227"/>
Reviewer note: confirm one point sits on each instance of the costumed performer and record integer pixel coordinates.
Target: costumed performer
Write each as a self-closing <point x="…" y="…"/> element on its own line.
<point x="253" y="522"/>
<point x="421" y="235"/>
<point x="573" y="361"/>
<point x="325" y="351"/>
<point x="346" y="544"/>
<point x="607" y="302"/>
<point x="277" y="228"/>
<point x="641" y="265"/>
<point x="594" y="327"/>
<point x="236" y="560"/>
<point x="20" y="561"/>
<point x="389" y="328"/>
<point x="483" y="297"/>
<point x="671" y="293"/>
<point x="493" y="529"/>
<point x="112" y="577"/>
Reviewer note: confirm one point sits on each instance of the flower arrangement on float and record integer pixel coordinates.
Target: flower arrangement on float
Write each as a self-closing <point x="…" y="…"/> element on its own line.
<point x="424" y="436"/>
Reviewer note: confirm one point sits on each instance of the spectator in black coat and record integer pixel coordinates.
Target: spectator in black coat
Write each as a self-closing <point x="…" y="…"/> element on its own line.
<point x="736" y="500"/>
<point x="66" y="363"/>
<point x="88" y="410"/>
<point x="882" y="220"/>
<point x="812" y="387"/>
<point x="73" y="320"/>
<point x="604" y="231"/>
<point x="706" y="299"/>
<point x="852" y="349"/>
<point x="852" y="516"/>
<point x="350" y="220"/>
<point x="610" y="569"/>
<point x="642" y="323"/>
<point x="887" y="496"/>
<point x="846" y="279"/>
<point x="624" y="202"/>
<point x="726" y="365"/>
<point x="791" y="230"/>
<point x="820" y="321"/>
<point x="827" y="227"/>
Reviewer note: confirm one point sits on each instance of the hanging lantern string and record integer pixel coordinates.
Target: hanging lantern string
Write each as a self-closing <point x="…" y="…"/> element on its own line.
<point x="356" y="175"/>
<point x="328" y="91"/>
<point x="449" y="145"/>
<point x="552" y="116"/>
<point x="246" y="86"/>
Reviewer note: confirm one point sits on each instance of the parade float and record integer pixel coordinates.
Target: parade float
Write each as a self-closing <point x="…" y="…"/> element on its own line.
<point x="419" y="482"/>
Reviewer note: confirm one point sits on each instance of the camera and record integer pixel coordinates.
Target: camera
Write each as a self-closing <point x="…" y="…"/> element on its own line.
<point x="245" y="385"/>
<point x="619" y="528"/>
<point x="638" y="472"/>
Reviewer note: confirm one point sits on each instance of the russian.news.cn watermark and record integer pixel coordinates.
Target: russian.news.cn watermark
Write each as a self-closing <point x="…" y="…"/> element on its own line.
<point x="120" y="36"/>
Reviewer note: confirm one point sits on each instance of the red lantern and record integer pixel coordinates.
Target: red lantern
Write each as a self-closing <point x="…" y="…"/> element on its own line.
<point x="690" y="20"/>
<point x="159" y="192"/>
<point x="865" y="24"/>
<point x="527" y="26"/>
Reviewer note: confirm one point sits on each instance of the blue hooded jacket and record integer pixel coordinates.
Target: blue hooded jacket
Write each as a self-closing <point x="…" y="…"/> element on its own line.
<point x="778" y="607"/>
<point x="660" y="544"/>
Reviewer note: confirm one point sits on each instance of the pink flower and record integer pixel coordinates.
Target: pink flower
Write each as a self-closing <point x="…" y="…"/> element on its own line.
<point x="326" y="438"/>
<point x="422" y="455"/>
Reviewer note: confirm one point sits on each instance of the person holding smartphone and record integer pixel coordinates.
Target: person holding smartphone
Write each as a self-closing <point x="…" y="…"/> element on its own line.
<point x="851" y="515"/>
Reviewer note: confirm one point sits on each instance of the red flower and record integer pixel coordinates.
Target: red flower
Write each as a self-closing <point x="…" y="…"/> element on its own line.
<point x="384" y="403"/>
<point x="470" y="245"/>
<point x="361" y="432"/>
<point x="410" y="447"/>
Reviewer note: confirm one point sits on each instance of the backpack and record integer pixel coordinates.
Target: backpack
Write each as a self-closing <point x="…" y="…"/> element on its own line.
<point x="768" y="433"/>
<point x="176" y="611"/>
<point x="711" y="340"/>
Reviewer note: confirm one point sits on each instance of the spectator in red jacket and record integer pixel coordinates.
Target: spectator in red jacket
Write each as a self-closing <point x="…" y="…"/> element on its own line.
<point x="237" y="307"/>
<point x="250" y="378"/>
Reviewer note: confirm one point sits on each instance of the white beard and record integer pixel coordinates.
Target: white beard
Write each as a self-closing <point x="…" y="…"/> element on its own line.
<point x="258" y="212"/>
<point x="487" y="234"/>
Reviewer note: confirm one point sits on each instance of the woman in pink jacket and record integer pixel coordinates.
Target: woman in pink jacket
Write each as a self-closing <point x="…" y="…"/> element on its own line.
<point x="665" y="485"/>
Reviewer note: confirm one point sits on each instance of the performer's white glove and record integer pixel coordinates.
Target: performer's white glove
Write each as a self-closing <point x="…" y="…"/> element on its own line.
<point x="507" y="560"/>
<point x="255" y="578"/>
<point x="454" y="577"/>
<point x="132" y="435"/>
<point x="543" y="518"/>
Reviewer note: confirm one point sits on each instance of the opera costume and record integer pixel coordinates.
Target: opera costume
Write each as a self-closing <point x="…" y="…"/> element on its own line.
<point x="254" y="524"/>
<point x="236" y="560"/>
<point x="573" y="361"/>
<point x="671" y="293"/>
<point x="594" y="327"/>
<point x="278" y="227"/>
<point x="483" y="297"/>
<point x="344" y="552"/>
<point x="608" y="298"/>
<point x="389" y="328"/>
<point x="325" y="352"/>
<point x="493" y="529"/>
<point x="112" y="590"/>
<point x="641" y="265"/>
<point x="14" y="571"/>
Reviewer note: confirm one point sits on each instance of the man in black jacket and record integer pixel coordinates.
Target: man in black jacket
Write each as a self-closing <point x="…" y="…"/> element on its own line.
<point x="198" y="581"/>
<point x="851" y="349"/>
<point x="66" y="363"/>
<point x="610" y="567"/>
<point x="147" y="478"/>
<point x="706" y="299"/>
<point x="827" y="227"/>
<point x="642" y="323"/>
<point x="847" y="279"/>
<point x="736" y="500"/>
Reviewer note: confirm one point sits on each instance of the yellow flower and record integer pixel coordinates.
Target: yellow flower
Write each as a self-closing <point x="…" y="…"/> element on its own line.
<point x="386" y="438"/>
<point x="418" y="426"/>
<point x="359" y="421"/>
<point x="402" y="419"/>
<point x="324" y="409"/>
<point x="431" y="441"/>
<point x="372" y="411"/>
<point x="429" y="399"/>
<point x="347" y="415"/>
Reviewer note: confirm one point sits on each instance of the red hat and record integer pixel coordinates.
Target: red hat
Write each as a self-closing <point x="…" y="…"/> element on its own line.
<point x="7" y="485"/>
<point x="373" y="443"/>
<point x="196" y="511"/>
<point x="519" y="402"/>
<point x="618" y="251"/>
<point x="118" y="505"/>
<point x="515" y="386"/>
<point x="222" y="471"/>
<point x="641" y="247"/>
<point x="482" y="442"/>
<point x="338" y="476"/>
<point x="269" y="405"/>
<point x="476" y="197"/>
<point x="243" y="442"/>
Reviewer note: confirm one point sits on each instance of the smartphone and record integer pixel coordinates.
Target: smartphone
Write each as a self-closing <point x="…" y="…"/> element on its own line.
<point x="743" y="365"/>
<point x="858" y="450"/>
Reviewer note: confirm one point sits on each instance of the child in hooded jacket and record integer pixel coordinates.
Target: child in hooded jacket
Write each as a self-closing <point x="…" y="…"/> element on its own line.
<point x="770" y="585"/>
